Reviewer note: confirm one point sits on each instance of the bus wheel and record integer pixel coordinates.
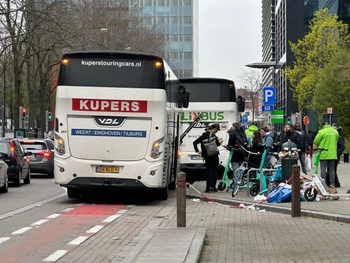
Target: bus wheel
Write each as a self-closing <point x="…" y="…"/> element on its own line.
<point x="163" y="193"/>
<point x="73" y="193"/>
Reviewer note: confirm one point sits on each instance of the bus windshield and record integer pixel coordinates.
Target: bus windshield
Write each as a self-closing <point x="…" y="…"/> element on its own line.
<point x="112" y="70"/>
<point x="209" y="90"/>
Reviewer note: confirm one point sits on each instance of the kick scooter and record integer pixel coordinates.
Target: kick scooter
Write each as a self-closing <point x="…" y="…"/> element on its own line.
<point x="226" y="180"/>
<point x="318" y="185"/>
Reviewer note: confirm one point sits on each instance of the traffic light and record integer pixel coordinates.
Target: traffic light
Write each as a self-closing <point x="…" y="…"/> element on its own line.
<point x="49" y="116"/>
<point x="288" y="120"/>
<point x="24" y="112"/>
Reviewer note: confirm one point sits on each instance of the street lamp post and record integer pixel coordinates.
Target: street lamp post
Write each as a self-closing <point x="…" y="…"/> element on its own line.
<point x="265" y="65"/>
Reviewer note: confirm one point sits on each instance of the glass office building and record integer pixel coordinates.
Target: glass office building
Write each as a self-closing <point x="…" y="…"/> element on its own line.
<point x="177" y="20"/>
<point x="284" y="21"/>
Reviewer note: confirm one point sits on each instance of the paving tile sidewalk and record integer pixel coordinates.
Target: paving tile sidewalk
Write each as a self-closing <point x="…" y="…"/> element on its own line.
<point x="226" y="233"/>
<point x="328" y="209"/>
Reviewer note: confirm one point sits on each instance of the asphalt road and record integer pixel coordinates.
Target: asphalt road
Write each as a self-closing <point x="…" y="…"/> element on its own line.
<point x="38" y="222"/>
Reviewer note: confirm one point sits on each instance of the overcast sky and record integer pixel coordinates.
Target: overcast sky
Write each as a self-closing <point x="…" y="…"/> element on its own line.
<point x="229" y="37"/>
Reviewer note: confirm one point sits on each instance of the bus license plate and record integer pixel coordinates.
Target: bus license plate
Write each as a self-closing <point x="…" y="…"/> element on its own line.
<point x="107" y="169"/>
<point x="196" y="157"/>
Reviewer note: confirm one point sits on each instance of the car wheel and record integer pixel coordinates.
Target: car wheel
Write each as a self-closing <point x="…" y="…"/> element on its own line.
<point x="51" y="175"/>
<point x="18" y="181"/>
<point x="27" y="179"/>
<point x="5" y="187"/>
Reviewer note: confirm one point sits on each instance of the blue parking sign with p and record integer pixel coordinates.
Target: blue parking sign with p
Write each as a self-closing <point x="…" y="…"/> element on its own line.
<point x="269" y="96"/>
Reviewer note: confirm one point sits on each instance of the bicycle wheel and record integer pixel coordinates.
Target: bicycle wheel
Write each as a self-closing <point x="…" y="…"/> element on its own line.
<point x="237" y="183"/>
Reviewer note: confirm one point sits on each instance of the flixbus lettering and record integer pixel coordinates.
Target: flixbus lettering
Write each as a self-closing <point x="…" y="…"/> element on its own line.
<point x="212" y="116"/>
<point x="206" y="116"/>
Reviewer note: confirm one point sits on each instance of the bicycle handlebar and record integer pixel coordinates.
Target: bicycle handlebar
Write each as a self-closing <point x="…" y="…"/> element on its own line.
<point x="250" y="152"/>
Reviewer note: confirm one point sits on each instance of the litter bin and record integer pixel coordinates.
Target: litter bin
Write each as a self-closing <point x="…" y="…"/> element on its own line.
<point x="289" y="160"/>
<point x="346" y="157"/>
<point x="287" y="167"/>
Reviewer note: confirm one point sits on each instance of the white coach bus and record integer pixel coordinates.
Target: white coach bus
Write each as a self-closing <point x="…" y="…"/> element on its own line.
<point x="115" y="122"/>
<point x="212" y="100"/>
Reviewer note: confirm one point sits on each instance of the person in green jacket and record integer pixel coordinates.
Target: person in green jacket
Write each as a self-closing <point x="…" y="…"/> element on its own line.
<point x="250" y="130"/>
<point x="327" y="138"/>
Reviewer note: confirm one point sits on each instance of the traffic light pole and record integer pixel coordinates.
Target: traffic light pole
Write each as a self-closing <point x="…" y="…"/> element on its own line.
<point x="46" y="120"/>
<point x="20" y="118"/>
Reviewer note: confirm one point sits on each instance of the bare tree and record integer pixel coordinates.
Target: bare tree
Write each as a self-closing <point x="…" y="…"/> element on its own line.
<point x="35" y="34"/>
<point x="112" y="25"/>
<point x="252" y="82"/>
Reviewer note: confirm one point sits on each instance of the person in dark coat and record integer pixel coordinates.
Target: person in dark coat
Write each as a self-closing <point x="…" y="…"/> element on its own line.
<point x="233" y="141"/>
<point x="257" y="147"/>
<point x="211" y="162"/>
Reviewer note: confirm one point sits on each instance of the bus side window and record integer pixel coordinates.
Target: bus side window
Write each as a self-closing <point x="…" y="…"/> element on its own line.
<point x="241" y="103"/>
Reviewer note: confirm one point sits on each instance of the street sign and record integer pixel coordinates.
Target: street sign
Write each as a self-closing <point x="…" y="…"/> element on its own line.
<point x="269" y="95"/>
<point x="244" y="119"/>
<point x="330" y="118"/>
<point x="266" y="107"/>
<point x="277" y="116"/>
<point x="306" y="120"/>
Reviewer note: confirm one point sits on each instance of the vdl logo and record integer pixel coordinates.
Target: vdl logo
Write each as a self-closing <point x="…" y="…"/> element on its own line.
<point x="206" y="116"/>
<point x="109" y="121"/>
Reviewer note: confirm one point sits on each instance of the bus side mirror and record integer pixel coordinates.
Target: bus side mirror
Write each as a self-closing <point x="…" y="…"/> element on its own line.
<point x="241" y="104"/>
<point x="183" y="98"/>
<point x="186" y="100"/>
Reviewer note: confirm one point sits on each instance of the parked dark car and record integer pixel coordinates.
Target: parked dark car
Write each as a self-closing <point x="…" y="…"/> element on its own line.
<point x="42" y="157"/>
<point x="4" y="182"/>
<point x="17" y="161"/>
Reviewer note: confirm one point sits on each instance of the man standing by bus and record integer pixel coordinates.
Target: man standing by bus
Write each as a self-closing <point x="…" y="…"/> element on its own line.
<point x="211" y="162"/>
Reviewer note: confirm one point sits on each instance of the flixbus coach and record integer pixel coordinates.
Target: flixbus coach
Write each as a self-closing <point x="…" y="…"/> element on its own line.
<point x="115" y="123"/>
<point x="212" y="100"/>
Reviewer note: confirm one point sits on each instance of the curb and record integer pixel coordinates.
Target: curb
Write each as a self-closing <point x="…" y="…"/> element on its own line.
<point x="276" y="209"/>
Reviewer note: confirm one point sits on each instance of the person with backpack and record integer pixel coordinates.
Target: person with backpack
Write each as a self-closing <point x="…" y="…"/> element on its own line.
<point x="212" y="161"/>
<point x="236" y="139"/>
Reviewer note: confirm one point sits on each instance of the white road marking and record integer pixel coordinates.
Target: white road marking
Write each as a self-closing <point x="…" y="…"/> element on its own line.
<point x="21" y="231"/>
<point x="3" y="239"/>
<point x="40" y="222"/>
<point x="78" y="240"/>
<point x="67" y="210"/>
<point x="111" y="218"/>
<point x="95" y="229"/>
<point x="53" y="216"/>
<point x="55" y="256"/>
<point x="28" y="207"/>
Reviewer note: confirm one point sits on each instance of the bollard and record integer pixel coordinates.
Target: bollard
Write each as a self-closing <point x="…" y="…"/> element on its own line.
<point x="181" y="199"/>
<point x="296" y="208"/>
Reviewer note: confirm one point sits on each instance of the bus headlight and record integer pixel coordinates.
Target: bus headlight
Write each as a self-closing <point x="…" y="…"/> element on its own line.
<point x="155" y="153"/>
<point x="59" y="145"/>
